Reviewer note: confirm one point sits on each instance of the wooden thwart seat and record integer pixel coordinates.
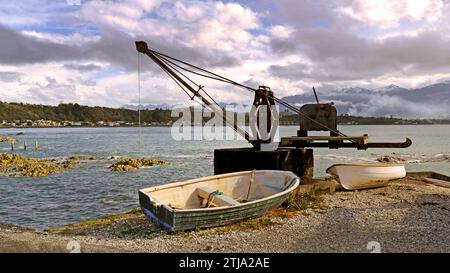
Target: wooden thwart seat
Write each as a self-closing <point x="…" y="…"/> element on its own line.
<point x="218" y="200"/>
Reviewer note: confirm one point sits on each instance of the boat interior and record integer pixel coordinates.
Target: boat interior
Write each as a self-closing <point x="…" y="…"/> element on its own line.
<point x="222" y="190"/>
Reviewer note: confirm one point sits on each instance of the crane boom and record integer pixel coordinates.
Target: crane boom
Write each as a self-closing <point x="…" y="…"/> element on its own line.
<point x="142" y="47"/>
<point x="313" y="117"/>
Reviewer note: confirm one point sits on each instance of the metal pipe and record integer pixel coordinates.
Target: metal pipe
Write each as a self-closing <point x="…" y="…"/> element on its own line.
<point x="315" y="95"/>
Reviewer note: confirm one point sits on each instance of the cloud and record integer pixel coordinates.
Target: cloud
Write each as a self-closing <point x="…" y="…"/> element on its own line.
<point x="338" y="50"/>
<point x="381" y="105"/>
<point x="19" y="49"/>
<point x="76" y="39"/>
<point x="340" y="55"/>
<point x="227" y="29"/>
<point x="303" y="14"/>
<point x="49" y="83"/>
<point x="9" y="76"/>
<point x="188" y="13"/>
<point x="281" y="32"/>
<point x="83" y="67"/>
<point x="29" y="12"/>
<point x="287" y="44"/>
<point x="430" y="101"/>
<point x="78" y="57"/>
<point x="114" y="47"/>
<point x="123" y="15"/>
<point x="51" y="91"/>
<point x="386" y="13"/>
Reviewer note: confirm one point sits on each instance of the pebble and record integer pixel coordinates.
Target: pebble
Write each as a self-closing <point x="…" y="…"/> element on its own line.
<point x="351" y="221"/>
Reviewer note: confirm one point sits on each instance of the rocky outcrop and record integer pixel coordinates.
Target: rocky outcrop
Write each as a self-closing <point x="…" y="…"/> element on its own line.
<point x="17" y="165"/>
<point x="129" y="164"/>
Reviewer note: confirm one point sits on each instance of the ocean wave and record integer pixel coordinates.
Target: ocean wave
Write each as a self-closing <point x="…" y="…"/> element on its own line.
<point x="414" y="158"/>
<point x="333" y="157"/>
<point x="388" y="158"/>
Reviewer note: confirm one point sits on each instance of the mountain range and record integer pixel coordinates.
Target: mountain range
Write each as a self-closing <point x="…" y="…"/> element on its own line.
<point x="432" y="101"/>
<point x="164" y="106"/>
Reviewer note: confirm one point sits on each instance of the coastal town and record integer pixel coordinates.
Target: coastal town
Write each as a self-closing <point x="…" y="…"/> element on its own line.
<point x="42" y="123"/>
<point x="286" y="120"/>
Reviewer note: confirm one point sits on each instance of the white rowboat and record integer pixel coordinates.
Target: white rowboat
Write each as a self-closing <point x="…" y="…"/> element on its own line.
<point x="216" y="200"/>
<point x="364" y="176"/>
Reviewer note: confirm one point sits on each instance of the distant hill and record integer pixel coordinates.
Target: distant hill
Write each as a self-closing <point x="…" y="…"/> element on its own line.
<point x="13" y="112"/>
<point x="236" y="106"/>
<point x="76" y="112"/>
<point x="427" y="102"/>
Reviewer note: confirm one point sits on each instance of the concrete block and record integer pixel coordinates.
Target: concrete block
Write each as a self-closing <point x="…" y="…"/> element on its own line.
<point x="299" y="161"/>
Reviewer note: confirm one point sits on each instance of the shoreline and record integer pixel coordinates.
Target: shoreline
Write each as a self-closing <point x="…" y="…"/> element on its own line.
<point x="409" y="215"/>
<point x="48" y="127"/>
<point x="144" y="126"/>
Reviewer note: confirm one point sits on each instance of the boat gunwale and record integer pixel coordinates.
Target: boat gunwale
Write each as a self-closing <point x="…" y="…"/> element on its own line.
<point x="377" y="165"/>
<point x="349" y="186"/>
<point x="196" y="180"/>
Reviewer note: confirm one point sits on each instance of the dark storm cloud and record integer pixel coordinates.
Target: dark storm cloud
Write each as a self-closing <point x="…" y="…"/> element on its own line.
<point x="339" y="49"/>
<point x="301" y="14"/>
<point x="115" y="47"/>
<point x="16" y="48"/>
<point x="345" y="56"/>
<point x="83" y="67"/>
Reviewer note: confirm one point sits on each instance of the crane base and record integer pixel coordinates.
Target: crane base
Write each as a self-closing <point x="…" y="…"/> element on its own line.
<point x="299" y="161"/>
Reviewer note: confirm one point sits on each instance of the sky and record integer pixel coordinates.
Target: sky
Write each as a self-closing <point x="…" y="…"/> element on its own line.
<point x="83" y="51"/>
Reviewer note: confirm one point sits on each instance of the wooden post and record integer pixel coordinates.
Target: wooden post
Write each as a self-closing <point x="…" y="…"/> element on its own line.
<point x="12" y="146"/>
<point x="24" y="145"/>
<point x="36" y="145"/>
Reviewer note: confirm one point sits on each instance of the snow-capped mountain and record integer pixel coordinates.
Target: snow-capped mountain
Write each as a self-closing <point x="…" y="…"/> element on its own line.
<point x="432" y="101"/>
<point x="390" y="88"/>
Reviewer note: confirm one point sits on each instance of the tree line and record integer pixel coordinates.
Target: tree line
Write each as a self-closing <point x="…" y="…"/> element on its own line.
<point x="76" y="112"/>
<point x="80" y="113"/>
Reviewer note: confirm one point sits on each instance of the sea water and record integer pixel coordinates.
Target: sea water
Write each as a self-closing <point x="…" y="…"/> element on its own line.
<point x="92" y="190"/>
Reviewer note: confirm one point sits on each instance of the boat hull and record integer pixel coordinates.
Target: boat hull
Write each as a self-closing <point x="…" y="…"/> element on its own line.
<point x="434" y="178"/>
<point x="365" y="176"/>
<point x="188" y="219"/>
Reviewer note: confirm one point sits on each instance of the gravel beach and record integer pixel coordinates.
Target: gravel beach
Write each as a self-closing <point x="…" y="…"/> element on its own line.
<point x="407" y="216"/>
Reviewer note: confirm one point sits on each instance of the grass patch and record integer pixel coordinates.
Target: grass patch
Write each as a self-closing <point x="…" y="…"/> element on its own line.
<point x="95" y="223"/>
<point x="305" y="201"/>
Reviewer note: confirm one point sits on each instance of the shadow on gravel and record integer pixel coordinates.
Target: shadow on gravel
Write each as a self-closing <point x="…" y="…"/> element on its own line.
<point x="403" y="219"/>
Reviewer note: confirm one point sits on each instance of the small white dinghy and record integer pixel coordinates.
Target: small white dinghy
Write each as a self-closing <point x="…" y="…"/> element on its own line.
<point x="216" y="200"/>
<point x="365" y="176"/>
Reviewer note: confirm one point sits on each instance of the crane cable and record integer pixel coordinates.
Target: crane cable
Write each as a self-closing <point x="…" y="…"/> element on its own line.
<point x="217" y="77"/>
<point x="236" y="127"/>
<point x="226" y="80"/>
<point x="200" y="88"/>
<point x="139" y="103"/>
<point x="213" y="76"/>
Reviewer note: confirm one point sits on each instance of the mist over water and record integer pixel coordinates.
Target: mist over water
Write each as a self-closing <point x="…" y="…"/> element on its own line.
<point x="92" y="190"/>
